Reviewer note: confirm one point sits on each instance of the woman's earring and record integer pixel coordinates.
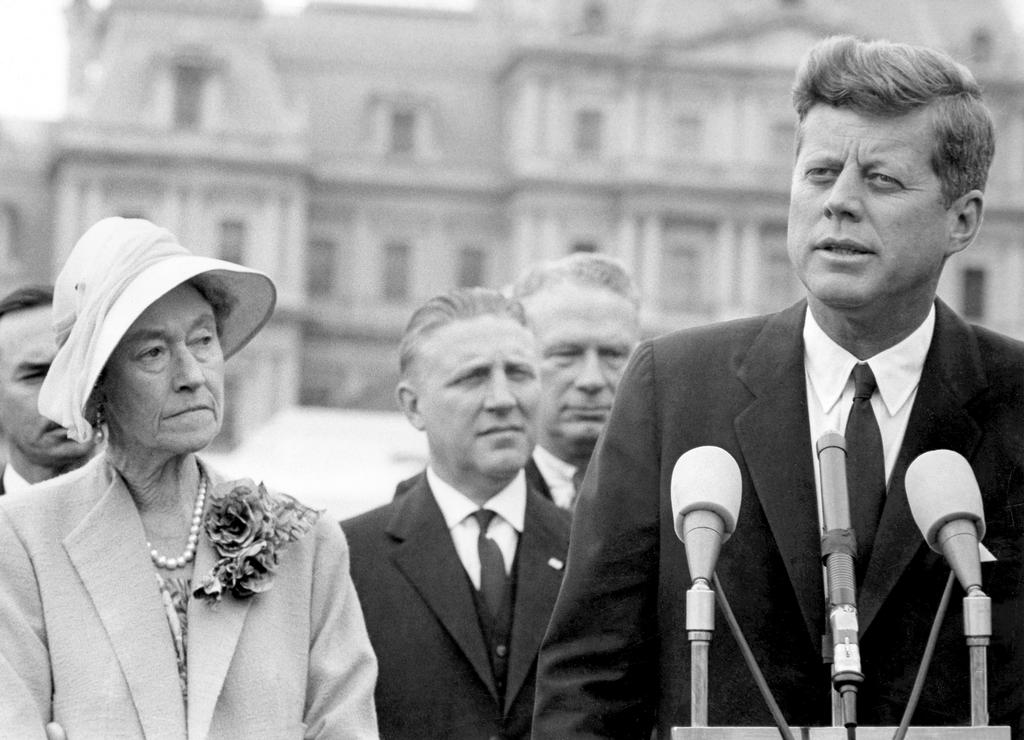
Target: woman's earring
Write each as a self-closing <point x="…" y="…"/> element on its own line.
<point x="98" y="420"/>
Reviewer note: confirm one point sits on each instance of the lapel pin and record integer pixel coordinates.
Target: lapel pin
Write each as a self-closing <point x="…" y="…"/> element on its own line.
<point x="556" y="563"/>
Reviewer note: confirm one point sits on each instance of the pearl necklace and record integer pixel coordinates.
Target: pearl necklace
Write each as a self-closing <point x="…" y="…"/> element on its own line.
<point x="162" y="561"/>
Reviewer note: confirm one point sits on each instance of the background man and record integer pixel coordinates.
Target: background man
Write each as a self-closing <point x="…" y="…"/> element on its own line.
<point x="458" y="574"/>
<point x="35" y="448"/>
<point x="893" y="151"/>
<point x="584" y="311"/>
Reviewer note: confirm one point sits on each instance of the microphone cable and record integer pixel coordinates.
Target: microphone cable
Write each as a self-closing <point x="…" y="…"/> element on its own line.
<point x="748" y="656"/>
<point x="926" y="659"/>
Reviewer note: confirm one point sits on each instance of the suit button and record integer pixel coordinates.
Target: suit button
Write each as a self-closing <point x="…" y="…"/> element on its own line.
<point x="501" y="650"/>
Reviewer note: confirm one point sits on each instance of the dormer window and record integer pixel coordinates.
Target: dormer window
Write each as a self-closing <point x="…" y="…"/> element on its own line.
<point x="981" y="45"/>
<point x="595" y="18"/>
<point x="403" y="132"/>
<point x="190" y="84"/>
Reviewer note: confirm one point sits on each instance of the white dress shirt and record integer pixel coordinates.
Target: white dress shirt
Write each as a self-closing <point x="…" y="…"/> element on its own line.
<point x="13" y="482"/>
<point x="510" y="506"/>
<point x="897" y="371"/>
<point x="558" y="474"/>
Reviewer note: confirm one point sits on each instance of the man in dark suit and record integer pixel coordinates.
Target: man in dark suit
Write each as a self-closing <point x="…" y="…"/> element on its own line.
<point x="35" y="448"/>
<point x="458" y="574"/>
<point x="584" y="311"/>
<point x="893" y="150"/>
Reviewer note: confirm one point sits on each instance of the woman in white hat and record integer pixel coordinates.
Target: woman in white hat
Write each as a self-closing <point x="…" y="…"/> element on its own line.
<point x="142" y="595"/>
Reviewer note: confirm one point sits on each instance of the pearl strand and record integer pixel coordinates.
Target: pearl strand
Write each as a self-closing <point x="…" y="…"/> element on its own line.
<point x="162" y="561"/>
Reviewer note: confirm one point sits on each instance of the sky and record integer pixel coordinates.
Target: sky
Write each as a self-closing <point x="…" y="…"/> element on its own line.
<point x="33" y="50"/>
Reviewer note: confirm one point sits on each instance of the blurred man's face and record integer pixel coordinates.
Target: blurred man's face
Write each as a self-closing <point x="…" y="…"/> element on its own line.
<point x="473" y="389"/>
<point x="26" y="350"/>
<point x="586" y="334"/>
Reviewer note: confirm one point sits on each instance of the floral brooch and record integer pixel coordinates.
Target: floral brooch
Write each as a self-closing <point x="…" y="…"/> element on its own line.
<point x="249" y="528"/>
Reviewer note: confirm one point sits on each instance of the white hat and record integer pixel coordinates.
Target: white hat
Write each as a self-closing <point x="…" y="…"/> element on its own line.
<point x="119" y="268"/>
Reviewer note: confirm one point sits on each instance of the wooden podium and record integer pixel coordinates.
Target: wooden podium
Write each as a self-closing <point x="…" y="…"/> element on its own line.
<point x="839" y="733"/>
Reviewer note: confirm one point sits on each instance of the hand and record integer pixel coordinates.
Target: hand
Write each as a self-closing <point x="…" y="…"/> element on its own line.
<point x="55" y="732"/>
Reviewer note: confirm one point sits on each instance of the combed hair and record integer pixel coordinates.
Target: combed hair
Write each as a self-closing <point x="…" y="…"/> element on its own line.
<point x="585" y="268"/>
<point x="213" y="292"/>
<point x="881" y="78"/>
<point x="455" y="305"/>
<point x="29" y="296"/>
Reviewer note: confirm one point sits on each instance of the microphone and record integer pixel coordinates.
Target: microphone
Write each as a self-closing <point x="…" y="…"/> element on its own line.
<point x="946" y="505"/>
<point x="706" y="488"/>
<point x="838" y="548"/>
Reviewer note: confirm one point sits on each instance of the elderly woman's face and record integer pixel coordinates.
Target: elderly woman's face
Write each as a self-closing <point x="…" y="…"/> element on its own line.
<point x="164" y="383"/>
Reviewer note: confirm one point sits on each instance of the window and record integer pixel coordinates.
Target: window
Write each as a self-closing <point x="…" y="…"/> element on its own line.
<point x="320" y="271"/>
<point x="471" y="267"/>
<point x="403" y="132"/>
<point x="395" y="277"/>
<point x="189" y="86"/>
<point x="595" y="19"/>
<point x="778" y="285"/>
<point x="689" y="135"/>
<point x="684" y="271"/>
<point x="588" y="132"/>
<point x="584" y="246"/>
<point x="782" y="140"/>
<point x="10" y="244"/>
<point x="974" y="292"/>
<point x="232" y="240"/>
<point x="981" y="45"/>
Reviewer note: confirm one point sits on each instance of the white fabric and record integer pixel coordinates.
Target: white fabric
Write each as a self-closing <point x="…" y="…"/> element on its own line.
<point x="897" y="371"/>
<point x="116" y="270"/>
<point x="558" y="474"/>
<point x="510" y="506"/>
<point x="13" y="482"/>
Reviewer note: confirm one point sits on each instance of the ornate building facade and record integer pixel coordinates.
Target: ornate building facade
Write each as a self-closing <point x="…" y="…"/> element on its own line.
<point x="368" y="157"/>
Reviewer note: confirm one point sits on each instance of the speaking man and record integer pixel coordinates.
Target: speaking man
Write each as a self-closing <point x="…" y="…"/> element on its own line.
<point x="458" y="574"/>
<point x="892" y="153"/>
<point x="584" y="311"/>
<point x="35" y="448"/>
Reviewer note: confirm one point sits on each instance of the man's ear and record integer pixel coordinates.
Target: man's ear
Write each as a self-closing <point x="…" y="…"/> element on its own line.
<point x="965" y="220"/>
<point x="409" y="402"/>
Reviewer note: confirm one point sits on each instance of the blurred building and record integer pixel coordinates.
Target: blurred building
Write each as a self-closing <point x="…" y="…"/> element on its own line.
<point x="369" y="157"/>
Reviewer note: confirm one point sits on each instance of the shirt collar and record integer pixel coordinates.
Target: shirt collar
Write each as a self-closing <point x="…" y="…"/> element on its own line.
<point x="553" y="467"/>
<point x="897" y="370"/>
<point x="13" y="482"/>
<point x="509" y="503"/>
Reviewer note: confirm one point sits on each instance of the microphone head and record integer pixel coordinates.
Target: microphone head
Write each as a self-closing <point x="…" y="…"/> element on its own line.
<point x="706" y="479"/>
<point x="941" y="488"/>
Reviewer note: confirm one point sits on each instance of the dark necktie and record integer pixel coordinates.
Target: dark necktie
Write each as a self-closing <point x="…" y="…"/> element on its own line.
<point x="493" y="580"/>
<point x="865" y="465"/>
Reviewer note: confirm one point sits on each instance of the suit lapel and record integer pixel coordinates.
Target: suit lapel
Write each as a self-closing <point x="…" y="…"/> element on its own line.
<point x="425" y="555"/>
<point x="952" y="375"/>
<point x="128" y="603"/>
<point x="213" y="635"/>
<point x="774" y="435"/>
<point x="538" y="581"/>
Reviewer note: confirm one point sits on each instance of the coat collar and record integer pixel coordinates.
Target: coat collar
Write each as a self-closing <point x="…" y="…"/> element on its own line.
<point x="214" y="630"/>
<point x="127" y="600"/>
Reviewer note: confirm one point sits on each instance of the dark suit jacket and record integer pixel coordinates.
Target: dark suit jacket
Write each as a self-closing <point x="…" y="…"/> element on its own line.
<point x="535" y="479"/>
<point x="435" y="680"/>
<point x="616" y="656"/>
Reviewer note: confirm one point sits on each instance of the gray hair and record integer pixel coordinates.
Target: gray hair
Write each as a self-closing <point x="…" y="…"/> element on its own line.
<point x="584" y="268"/>
<point x="447" y="308"/>
<point x="881" y="78"/>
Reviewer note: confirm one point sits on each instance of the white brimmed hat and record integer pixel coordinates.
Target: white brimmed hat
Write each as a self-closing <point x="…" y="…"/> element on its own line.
<point x="119" y="268"/>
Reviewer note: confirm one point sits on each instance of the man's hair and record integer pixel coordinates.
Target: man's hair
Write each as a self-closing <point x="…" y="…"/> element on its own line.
<point x="584" y="268"/>
<point x="455" y="305"/>
<point x="30" y="296"/>
<point x="881" y="78"/>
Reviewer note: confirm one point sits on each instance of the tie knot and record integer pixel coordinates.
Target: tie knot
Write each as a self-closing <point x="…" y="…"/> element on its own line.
<point x="864" y="384"/>
<point x="483" y="518"/>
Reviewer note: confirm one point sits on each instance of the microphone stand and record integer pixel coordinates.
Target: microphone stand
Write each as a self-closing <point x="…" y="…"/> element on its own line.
<point x="978" y="631"/>
<point x="700" y="626"/>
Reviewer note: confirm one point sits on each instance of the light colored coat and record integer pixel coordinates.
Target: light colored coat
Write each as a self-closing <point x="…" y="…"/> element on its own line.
<point x="84" y="639"/>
